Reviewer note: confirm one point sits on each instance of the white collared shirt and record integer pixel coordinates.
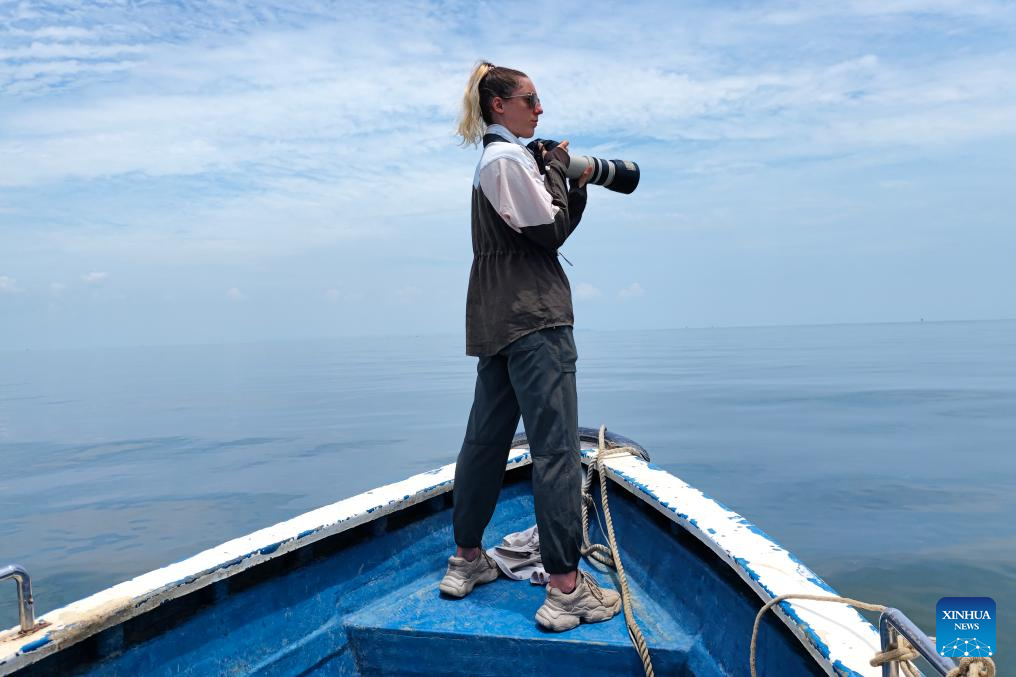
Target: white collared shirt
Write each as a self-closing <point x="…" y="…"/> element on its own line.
<point x="510" y="179"/>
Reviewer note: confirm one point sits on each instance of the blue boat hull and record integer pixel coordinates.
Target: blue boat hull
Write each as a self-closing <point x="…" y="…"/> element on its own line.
<point x="352" y="589"/>
<point x="365" y="602"/>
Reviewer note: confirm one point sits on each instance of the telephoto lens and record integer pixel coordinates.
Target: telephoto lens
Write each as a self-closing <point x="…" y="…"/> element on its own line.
<point x="620" y="176"/>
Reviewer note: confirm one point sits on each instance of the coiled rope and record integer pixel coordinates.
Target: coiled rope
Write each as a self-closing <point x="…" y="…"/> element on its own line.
<point x="902" y="651"/>
<point x="611" y="556"/>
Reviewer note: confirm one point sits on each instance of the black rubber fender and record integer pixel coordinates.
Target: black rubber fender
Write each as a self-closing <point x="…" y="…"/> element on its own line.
<point x="592" y="435"/>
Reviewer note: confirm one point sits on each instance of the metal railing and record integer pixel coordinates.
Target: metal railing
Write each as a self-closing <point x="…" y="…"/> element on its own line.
<point x="891" y="624"/>
<point x="26" y="604"/>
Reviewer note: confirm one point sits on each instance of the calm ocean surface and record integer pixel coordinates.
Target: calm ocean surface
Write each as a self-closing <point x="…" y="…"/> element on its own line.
<point x="881" y="455"/>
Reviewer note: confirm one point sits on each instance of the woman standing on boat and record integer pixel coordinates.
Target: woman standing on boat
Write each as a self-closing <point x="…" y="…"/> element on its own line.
<point x="519" y="324"/>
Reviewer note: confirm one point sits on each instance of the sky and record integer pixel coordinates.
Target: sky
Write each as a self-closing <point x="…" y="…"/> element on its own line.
<point x="194" y="172"/>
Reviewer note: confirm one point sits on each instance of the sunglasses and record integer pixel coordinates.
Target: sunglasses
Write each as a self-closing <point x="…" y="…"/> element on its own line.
<point x="531" y="99"/>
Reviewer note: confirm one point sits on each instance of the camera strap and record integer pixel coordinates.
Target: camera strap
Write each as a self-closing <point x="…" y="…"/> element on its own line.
<point x="493" y="138"/>
<point x="534" y="148"/>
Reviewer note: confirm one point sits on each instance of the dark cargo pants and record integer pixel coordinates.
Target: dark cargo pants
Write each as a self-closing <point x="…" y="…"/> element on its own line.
<point x="533" y="377"/>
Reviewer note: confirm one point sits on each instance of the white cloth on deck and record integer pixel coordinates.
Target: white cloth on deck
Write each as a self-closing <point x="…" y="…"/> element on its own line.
<point x="518" y="557"/>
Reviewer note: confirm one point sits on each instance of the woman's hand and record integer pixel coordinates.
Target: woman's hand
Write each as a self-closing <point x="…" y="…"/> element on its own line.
<point x="583" y="178"/>
<point x="547" y="153"/>
<point x="563" y="146"/>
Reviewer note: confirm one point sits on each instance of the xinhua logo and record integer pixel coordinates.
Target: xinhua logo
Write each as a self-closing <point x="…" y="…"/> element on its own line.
<point x="965" y="626"/>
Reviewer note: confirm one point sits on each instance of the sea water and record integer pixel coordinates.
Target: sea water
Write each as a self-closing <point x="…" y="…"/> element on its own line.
<point x="881" y="455"/>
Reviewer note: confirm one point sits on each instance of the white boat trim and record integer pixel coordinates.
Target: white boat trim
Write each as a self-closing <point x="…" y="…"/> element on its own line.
<point x="839" y="638"/>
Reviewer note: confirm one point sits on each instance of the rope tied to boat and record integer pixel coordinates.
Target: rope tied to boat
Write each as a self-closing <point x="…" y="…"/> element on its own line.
<point x="972" y="666"/>
<point x="611" y="556"/>
<point x="903" y="651"/>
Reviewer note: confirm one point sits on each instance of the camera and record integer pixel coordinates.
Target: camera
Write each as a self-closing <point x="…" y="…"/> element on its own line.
<point x="620" y="176"/>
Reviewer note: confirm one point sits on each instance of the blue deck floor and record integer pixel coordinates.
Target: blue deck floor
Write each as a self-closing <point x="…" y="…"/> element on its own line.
<point x="493" y="630"/>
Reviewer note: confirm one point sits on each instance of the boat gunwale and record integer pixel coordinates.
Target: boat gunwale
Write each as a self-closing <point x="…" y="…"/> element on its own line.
<point x="663" y="491"/>
<point x="837" y="636"/>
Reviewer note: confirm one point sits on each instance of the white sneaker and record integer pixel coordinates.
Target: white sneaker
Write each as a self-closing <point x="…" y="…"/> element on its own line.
<point x="462" y="575"/>
<point x="587" y="603"/>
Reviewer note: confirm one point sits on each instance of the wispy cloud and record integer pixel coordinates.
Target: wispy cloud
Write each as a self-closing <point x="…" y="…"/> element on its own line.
<point x="632" y="291"/>
<point x="336" y="295"/>
<point x="8" y="285"/>
<point x="54" y="33"/>
<point x="409" y="293"/>
<point x="270" y="101"/>
<point x="94" y="277"/>
<point x="57" y="50"/>
<point x="584" y="290"/>
<point x="235" y="295"/>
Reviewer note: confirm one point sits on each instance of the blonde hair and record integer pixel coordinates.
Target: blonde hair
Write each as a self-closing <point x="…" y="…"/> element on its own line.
<point x="485" y="82"/>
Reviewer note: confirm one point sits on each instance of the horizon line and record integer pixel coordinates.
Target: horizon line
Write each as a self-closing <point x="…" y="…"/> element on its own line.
<point x="431" y="334"/>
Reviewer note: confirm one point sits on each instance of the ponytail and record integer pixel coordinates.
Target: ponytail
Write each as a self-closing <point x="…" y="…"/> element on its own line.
<point x="485" y="82"/>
